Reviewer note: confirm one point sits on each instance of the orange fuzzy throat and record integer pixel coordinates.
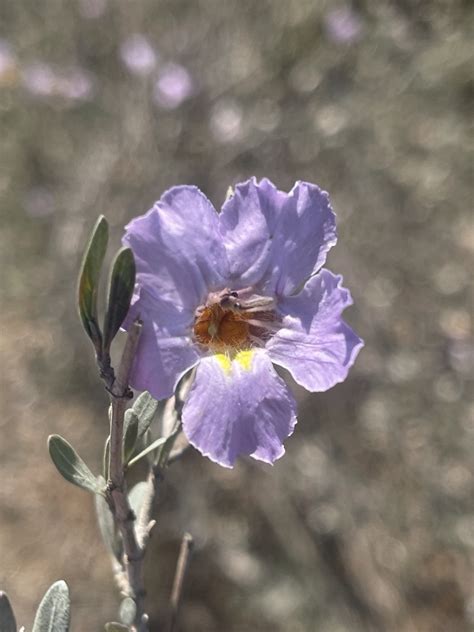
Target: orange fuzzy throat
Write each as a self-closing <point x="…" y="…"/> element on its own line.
<point x="221" y="329"/>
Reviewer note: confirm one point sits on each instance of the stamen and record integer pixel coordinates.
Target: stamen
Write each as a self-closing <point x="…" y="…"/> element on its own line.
<point x="257" y="342"/>
<point x="258" y="302"/>
<point x="263" y="324"/>
<point x="232" y="321"/>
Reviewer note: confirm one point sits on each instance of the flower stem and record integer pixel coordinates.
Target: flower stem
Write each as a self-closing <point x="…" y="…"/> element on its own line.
<point x="116" y="485"/>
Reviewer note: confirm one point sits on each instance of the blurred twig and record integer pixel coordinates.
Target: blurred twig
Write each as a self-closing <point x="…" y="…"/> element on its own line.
<point x="178" y="582"/>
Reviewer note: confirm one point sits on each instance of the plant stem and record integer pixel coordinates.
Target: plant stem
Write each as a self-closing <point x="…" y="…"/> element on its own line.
<point x="136" y="530"/>
<point x="116" y="485"/>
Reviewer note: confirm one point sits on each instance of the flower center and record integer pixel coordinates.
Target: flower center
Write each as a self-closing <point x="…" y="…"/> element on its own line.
<point x="232" y="321"/>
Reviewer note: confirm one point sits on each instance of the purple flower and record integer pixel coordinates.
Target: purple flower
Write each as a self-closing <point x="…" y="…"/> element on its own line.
<point x="92" y="9"/>
<point x="75" y="84"/>
<point x="226" y="120"/>
<point x="232" y="293"/>
<point x="343" y="25"/>
<point x="39" y="79"/>
<point x="173" y="87"/>
<point x="138" y="54"/>
<point x="44" y="81"/>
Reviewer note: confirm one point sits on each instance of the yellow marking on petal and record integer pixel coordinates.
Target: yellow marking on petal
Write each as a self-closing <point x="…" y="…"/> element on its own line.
<point x="244" y="358"/>
<point x="224" y="361"/>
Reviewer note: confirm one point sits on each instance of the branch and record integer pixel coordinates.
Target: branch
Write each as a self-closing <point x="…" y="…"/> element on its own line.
<point x="171" y="416"/>
<point x="136" y="530"/>
<point x="116" y="486"/>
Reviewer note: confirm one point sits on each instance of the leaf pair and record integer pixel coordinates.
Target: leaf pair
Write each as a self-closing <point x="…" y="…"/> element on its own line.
<point x="121" y="284"/>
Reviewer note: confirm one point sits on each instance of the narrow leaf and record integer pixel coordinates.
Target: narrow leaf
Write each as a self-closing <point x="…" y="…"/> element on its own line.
<point x="153" y="446"/>
<point x="105" y="459"/>
<point x="145" y="409"/>
<point x="54" y="611"/>
<point x="70" y="465"/>
<point x="89" y="281"/>
<point x="7" y="618"/>
<point x="122" y="282"/>
<point x="107" y="527"/>
<point x="113" y="626"/>
<point x="127" y="611"/>
<point x="130" y="437"/>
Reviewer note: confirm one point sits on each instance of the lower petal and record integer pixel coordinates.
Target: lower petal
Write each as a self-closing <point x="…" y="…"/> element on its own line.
<point x="315" y="345"/>
<point x="239" y="407"/>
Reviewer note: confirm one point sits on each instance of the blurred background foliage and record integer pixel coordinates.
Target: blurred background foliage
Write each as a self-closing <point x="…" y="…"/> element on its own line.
<point x="367" y="523"/>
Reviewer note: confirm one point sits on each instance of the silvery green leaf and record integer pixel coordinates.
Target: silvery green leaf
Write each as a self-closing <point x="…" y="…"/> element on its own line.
<point x="54" y="611"/>
<point x="70" y="465"/>
<point x="153" y="446"/>
<point x="113" y="626"/>
<point x="129" y="437"/>
<point x="127" y="611"/>
<point x="122" y="282"/>
<point x="105" y="459"/>
<point x="89" y="275"/>
<point x="137" y="495"/>
<point x="146" y="440"/>
<point x="144" y="409"/>
<point x="107" y="527"/>
<point x="7" y="618"/>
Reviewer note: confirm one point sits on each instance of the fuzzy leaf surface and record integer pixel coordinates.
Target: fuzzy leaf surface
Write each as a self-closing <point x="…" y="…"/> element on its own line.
<point x="54" y="611"/>
<point x="70" y="465"/>
<point x="7" y="618"/>
<point x="89" y="275"/>
<point x="122" y="282"/>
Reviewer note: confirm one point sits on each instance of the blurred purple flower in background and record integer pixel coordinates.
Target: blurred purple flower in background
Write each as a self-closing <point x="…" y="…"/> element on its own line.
<point x="39" y="202"/>
<point x="92" y="9"/>
<point x="39" y="79"/>
<point x="231" y="293"/>
<point x="138" y="54"/>
<point x="44" y="81"/>
<point x="343" y="25"/>
<point x="226" y="120"/>
<point x="174" y="86"/>
<point x="75" y="84"/>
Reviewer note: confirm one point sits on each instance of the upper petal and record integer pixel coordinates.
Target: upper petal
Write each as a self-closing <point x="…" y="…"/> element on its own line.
<point x="315" y="344"/>
<point x="247" y="223"/>
<point x="178" y="250"/>
<point x="239" y="408"/>
<point x="306" y="232"/>
<point x="275" y="239"/>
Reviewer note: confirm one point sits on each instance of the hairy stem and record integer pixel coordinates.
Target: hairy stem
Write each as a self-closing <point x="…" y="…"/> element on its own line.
<point x="116" y="485"/>
<point x="136" y="530"/>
